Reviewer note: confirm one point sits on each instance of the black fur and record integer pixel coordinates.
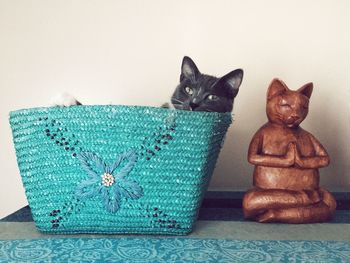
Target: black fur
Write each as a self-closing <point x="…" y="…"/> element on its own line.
<point x="200" y="92"/>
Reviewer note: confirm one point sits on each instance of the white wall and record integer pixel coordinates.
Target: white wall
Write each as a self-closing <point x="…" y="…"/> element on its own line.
<point x="129" y="52"/>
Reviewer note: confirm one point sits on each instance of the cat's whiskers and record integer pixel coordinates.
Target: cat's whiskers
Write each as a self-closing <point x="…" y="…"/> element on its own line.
<point x="176" y="100"/>
<point x="178" y="105"/>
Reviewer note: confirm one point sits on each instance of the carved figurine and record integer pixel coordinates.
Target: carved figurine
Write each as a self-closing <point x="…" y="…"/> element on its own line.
<point x="287" y="158"/>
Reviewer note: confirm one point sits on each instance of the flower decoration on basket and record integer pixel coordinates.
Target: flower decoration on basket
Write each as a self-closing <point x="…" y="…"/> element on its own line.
<point x="108" y="181"/>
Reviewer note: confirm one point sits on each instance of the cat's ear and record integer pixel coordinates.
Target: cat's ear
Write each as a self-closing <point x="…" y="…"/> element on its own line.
<point x="189" y="70"/>
<point x="306" y="89"/>
<point x="232" y="81"/>
<point x="277" y="87"/>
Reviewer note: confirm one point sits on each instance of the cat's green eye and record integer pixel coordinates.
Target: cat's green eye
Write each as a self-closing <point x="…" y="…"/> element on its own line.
<point x="212" y="97"/>
<point x="189" y="90"/>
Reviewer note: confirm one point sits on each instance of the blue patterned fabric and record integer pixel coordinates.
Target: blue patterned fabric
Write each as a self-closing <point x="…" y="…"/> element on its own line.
<point x="171" y="250"/>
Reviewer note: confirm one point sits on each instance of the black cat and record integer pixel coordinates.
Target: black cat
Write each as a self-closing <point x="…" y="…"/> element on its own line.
<point x="196" y="91"/>
<point x="200" y="92"/>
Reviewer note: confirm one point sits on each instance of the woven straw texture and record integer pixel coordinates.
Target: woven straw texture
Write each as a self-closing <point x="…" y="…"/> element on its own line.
<point x="116" y="169"/>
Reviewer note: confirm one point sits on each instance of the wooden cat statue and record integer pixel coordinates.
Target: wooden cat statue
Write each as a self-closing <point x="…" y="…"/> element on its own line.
<point x="287" y="158"/>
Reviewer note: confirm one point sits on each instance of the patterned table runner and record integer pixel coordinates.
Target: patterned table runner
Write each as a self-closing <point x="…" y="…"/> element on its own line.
<point x="146" y="249"/>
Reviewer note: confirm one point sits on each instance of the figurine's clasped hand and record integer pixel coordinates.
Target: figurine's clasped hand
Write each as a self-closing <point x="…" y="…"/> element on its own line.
<point x="298" y="159"/>
<point x="291" y="154"/>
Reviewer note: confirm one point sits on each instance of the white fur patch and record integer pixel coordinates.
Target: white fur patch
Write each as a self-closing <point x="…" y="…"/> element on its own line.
<point x="63" y="100"/>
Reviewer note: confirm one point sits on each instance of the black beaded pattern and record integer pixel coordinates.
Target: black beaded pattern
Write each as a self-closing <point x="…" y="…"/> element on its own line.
<point x="74" y="205"/>
<point x="158" y="217"/>
<point x="150" y="146"/>
<point x="60" y="135"/>
<point x="153" y="144"/>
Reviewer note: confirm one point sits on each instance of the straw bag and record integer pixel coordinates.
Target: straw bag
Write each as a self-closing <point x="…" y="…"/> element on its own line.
<point x="116" y="169"/>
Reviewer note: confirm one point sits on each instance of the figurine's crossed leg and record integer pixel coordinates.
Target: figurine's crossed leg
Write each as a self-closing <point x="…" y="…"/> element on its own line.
<point x="288" y="206"/>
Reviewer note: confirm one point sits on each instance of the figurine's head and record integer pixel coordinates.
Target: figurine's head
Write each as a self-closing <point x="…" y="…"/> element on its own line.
<point x="287" y="107"/>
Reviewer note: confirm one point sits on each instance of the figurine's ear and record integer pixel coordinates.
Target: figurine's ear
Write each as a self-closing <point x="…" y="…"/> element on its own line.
<point x="276" y="87"/>
<point x="189" y="70"/>
<point x="306" y="89"/>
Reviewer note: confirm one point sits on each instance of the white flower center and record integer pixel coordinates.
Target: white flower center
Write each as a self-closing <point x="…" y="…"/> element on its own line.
<point x="107" y="179"/>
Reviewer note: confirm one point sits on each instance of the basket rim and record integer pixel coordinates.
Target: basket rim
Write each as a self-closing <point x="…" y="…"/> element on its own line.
<point x="116" y="106"/>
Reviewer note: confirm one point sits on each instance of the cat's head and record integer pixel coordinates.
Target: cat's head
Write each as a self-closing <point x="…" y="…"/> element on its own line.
<point x="287" y="107"/>
<point x="200" y="92"/>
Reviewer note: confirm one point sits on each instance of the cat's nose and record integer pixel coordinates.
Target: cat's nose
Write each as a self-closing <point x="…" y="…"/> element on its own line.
<point x="193" y="105"/>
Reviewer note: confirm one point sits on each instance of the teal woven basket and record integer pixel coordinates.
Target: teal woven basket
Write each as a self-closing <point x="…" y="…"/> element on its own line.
<point x="116" y="169"/>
